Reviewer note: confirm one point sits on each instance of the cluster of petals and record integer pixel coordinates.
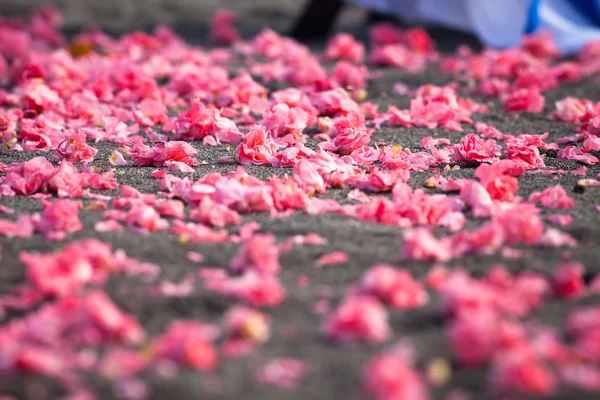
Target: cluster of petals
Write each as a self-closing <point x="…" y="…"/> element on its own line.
<point x="481" y="332"/>
<point x="381" y="180"/>
<point x="409" y="49"/>
<point x="573" y="110"/>
<point x="259" y="253"/>
<point x="398" y="56"/>
<point x="524" y="100"/>
<point x="523" y="371"/>
<point x="410" y="208"/>
<point x="568" y="280"/>
<point x="506" y="227"/>
<point x="392" y="375"/>
<point x="500" y="179"/>
<point x="473" y="149"/>
<point x="239" y="192"/>
<point x="535" y="57"/>
<point x="258" y="148"/>
<point x="281" y="120"/>
<point x="434" y="107"/>
<point x="244" y="328"/>
<point x="222" y="30"/>
<point x="75" y="149"/>
<point x="29" y="346"/>
<point x="143" y="219"/>
<point x="161" y="154"/>
<point x="416" y="39"/>
<point x="394" y="287"/>
<point x="347" y="141"/>
<point x="201" y="122"/>
<point x="349" y="75"/>
<point x="38" y="175"/>
<point x="253" y="288"/>
<point x="584" y="326"/>
<point x="213" y="213"/>
<point x="357" y="318"/>
<point x="499" y="293"/>
<point x="526" y="155"/>
<point x="344" y="46"/>
<point x="553" y="197"/>
<point x="576" y="154"/>
<point x="76" y="265"/>
<point x="187" y="344"/>
<point x="59" y="218"/>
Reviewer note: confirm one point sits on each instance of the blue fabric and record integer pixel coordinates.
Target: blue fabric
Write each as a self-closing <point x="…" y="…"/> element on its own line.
<point x="533" y="20"/>
<point x="590" y="8"/>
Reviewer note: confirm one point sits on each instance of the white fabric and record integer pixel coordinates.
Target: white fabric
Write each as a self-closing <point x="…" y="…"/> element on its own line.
<point x="571" y="29"/>
<point x="497" y="23"/>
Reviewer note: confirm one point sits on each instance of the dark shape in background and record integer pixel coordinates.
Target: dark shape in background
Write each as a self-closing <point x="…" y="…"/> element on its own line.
<point x="190" y="18"/>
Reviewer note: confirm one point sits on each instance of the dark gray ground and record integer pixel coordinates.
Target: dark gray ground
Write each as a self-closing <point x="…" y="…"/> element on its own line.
<point x="335" y="371"/>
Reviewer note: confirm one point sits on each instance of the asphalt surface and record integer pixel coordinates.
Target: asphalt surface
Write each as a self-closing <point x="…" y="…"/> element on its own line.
<point x="335" y="372"/>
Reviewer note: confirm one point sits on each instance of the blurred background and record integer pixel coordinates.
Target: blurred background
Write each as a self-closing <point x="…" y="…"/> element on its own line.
<point x="126" y="15"/>
<point x="191" y="18"/>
